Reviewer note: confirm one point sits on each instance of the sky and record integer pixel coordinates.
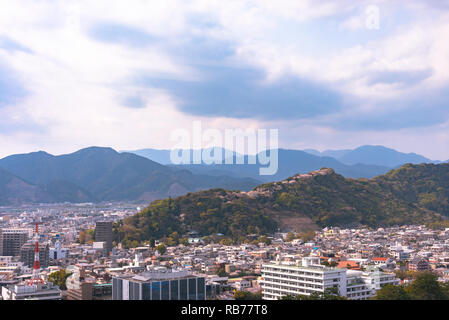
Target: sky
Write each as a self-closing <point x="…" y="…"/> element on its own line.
<point x="126" y="74"/>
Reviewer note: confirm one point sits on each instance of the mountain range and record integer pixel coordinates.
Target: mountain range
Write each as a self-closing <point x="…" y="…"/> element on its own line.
<point x="102" y="174"/>
<point x="99" y="174"/>
<point x="362" y="162"/>
<point x="373" y="155"/>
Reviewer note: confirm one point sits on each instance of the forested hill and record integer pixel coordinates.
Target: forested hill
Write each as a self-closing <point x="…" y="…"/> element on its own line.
<point x="408" y="195"/>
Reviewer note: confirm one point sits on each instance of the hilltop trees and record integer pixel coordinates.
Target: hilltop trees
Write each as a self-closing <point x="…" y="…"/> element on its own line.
<point x="425" y="286"/>
<point x="412" y="194"/>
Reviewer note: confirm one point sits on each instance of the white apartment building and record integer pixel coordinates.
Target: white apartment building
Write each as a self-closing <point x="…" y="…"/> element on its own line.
<point x="309" y="276"/>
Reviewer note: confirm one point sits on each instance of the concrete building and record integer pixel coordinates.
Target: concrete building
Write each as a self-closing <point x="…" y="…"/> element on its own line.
<point x="300" y="278"/>
<point x="27" y="254"/>
<point x="58" y="252"/>
<point x="309" y="276"/>
<point x="77" y="287"/>
<point x="159" y="284"/>
<point x="46" y="291"/>
<point x="13" y="240"/>
<point x="103" y="233"/>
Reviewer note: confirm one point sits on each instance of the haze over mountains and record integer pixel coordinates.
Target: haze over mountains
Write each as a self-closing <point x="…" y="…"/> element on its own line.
<point x="103" y="174"/>
<point x="362" y="162"/>
<point x="374" y="155"/>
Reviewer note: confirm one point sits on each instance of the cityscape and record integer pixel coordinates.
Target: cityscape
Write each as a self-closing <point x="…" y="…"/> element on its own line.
<point x="224" y="159"/>
<point x="80" y="261"/>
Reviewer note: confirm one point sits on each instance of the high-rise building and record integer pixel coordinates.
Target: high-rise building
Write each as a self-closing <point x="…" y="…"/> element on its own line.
<point x="159" y="285"/>
<point x="103" y="233"/>
<point x="281" y="279"/>
<point x="27" y="254"/>
<point x="13" y="240"/>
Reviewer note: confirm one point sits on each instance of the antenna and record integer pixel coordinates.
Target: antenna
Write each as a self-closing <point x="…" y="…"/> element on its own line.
<point x="36" y="267"/>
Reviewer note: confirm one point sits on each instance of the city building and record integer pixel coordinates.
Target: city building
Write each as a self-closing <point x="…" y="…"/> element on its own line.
<point x="159" y="284"/>
<point x="27" y="254"/>
<point x="44" y="291"/>
<point x="77" y="286"/>
<point x="13" y="239"/>
<point x="103" y="233"/>
<point x="58" y="252"/>
<point x="309" y="276"/>
<point x="418" y="264"/>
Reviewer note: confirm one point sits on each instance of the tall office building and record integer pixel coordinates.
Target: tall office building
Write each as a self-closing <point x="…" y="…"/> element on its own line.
<point x="27" y="254"/>
<point x="159" y="285"/>
<point x="13" y="240"/>
<point x="103" y="233"/>
<point x="310" y="276"/>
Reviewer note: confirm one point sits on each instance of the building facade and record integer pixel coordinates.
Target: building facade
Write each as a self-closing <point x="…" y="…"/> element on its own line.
<point x="46" y="291"/>
<point x="13" y="240"/>
<point x="103" y="233"/>
<point x="157" y="285"/>
<point x="309" y="276"/>
<point x="27" y="254"/>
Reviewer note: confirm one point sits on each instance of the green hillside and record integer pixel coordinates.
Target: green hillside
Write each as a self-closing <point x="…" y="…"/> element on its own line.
<point x="409" y="195"/>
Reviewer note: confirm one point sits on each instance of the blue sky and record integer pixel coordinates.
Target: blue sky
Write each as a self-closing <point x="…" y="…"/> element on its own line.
<point x="76" y="73"/>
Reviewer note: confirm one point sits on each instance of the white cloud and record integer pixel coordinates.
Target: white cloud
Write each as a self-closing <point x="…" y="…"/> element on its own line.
<point x="76" y="84"/>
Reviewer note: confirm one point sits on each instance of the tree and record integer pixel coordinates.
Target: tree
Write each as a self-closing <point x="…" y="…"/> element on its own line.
<point x="328" y="294"/>
<point x="426" y="287"/>
<point x="246" y="295"/>
<point x="264" y="239"/>
<point x="392" y="292"/>
<point x="308" y="235"/>
<point x="59" y="278"/>
<point x="161" y="249"/>
<point x="226" y="242"/>
<point x="86" y="236"/>
<point x="290" y="237"/>
<point x="222" y="272"/>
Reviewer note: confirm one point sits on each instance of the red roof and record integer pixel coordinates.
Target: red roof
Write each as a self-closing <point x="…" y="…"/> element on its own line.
<point x="379" y="259"/>
<point x="348" y="264"/>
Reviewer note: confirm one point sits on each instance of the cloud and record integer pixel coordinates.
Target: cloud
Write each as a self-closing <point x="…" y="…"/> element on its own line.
<point x="399" y="77"/>
<point x="11" y="89"/>
<point x="10" y="45"/>
<point x="244" y="93"/>
<point x="119" y="33"/>
<point x="125" y="75"/>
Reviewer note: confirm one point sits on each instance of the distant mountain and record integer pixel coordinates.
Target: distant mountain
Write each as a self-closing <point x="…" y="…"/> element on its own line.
<point x="15" y="191"/>
<point x="378" y="155"/>
<point x="336" y="154"/>
<point x="290" y="162"/>
<point x="412" y="194"/>
<point x="373" y="155"/>
<point x="159" y="156"/>
<point x="109" y="175"/>
<point x="164" y="156"/>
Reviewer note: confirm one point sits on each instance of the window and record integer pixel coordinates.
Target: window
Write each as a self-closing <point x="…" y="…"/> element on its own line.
<point x="183" y="289"/>
<point x="165" y="290"/>
<point x="201" y="293"/>
<point x="174" y="294"/>
<point x="192" y="289"/>
<point x="156" y="290"/>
